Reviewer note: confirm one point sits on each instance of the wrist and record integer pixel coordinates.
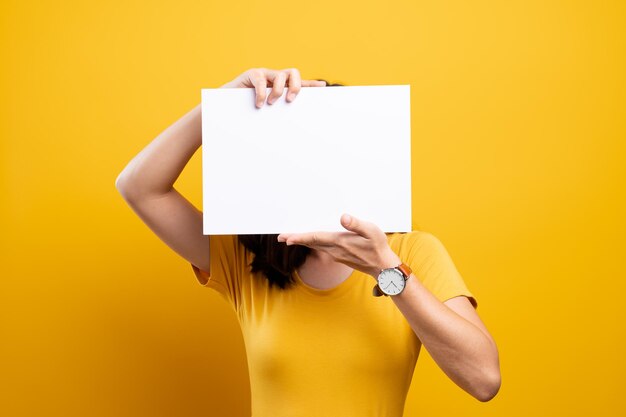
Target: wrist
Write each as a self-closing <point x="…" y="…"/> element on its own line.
<point x="388" y="260"/>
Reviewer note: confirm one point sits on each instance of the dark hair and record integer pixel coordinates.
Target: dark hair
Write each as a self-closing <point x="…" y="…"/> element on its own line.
<point x="274" y="259"/>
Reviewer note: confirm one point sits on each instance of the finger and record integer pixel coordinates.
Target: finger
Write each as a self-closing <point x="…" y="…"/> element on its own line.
<point x="270" y="74"/>
<point x="313" y="239"/>
<point x="313" y="83"/>
<point x="295" y="83"/>
<point x="277" y="87"/>
<point x="260" y="84"/>
<point x="361" y="227"/>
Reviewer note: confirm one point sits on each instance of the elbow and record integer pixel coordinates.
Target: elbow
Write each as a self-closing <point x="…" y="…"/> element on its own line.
<point x="118" y="182"/>
<point x="122" y="186"/>
<point x="132" y="189"/>
<point x="119" y="185"/>
<point x="489" y="387"/>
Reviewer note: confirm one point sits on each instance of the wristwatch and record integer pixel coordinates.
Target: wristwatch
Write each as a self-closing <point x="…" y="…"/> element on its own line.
<point x="392" y="281"/>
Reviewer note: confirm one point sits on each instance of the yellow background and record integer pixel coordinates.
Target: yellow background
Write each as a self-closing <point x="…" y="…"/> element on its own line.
<point x="518" y="123"/>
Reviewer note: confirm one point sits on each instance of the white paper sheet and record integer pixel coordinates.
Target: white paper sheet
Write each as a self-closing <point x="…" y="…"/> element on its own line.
<point x="297" y="167"/>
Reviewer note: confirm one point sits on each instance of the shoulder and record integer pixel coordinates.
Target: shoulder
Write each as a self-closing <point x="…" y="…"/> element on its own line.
<point x="228" y="243"/>
<point x="416" y="240"/>
<point x="419" y="249"/>
<point x="227" y="251"/>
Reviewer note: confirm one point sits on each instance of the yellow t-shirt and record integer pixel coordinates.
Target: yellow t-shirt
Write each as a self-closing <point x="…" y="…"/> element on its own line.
<point x="334" y="352"/>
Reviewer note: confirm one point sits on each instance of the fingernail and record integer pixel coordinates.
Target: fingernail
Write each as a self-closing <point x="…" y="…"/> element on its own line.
<point x="291" y="96"/>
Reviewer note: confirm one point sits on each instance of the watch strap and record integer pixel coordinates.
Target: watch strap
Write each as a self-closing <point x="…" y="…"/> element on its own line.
<point x="406" y="271"/>
<point x="376" y="291"/>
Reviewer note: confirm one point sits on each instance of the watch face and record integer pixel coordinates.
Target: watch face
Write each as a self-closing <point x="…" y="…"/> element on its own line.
<point x="391" y="281"/>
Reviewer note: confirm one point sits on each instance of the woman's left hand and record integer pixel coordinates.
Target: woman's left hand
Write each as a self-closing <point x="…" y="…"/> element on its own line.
<point x="363" y="247"/>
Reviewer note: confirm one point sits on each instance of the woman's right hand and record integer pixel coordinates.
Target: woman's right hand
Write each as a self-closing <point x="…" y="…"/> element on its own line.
<point x="261" y="78"/>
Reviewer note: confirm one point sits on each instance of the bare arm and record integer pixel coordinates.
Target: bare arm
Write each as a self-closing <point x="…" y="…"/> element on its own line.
<point x="453" y="334"/>
<point x="451" y="331"/>
<point x="147" y="182"/>
<point x="153" y="171"/>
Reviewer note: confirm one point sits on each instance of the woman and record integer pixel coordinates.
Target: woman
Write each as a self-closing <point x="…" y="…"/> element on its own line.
<point x="318" y="342"/>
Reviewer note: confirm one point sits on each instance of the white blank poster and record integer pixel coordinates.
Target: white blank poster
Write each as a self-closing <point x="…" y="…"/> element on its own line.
<point x="297" y="167"/>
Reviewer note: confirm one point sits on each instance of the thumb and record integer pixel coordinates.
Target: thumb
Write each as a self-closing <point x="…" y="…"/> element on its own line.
<point x="355" y="225"/>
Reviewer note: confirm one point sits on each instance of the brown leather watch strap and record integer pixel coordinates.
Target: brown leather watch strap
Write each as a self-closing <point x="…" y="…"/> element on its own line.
<point x="405" y="269"/>
<point x="376" y="292"/>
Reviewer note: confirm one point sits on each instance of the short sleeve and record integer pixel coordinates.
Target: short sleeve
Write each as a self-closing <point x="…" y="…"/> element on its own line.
<point x="432" y="265"/>
<point x="227" y="265"/>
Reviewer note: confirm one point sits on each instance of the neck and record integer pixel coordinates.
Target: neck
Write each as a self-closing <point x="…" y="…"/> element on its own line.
<point x="322" y="271"/>
<point x="320" y="257"/>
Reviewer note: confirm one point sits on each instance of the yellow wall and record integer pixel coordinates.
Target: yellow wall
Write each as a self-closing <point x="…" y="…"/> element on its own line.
<point x="518" y="149"/>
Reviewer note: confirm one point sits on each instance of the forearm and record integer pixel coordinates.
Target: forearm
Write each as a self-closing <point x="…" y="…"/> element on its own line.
<point x="463" y="351"/>
<point x="154" y="170"/>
